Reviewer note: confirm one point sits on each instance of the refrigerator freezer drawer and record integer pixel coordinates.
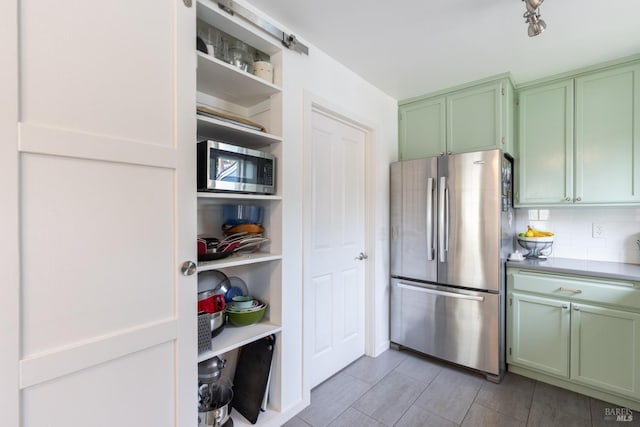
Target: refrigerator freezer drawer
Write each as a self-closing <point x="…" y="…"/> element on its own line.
<point x="448" y="323"/>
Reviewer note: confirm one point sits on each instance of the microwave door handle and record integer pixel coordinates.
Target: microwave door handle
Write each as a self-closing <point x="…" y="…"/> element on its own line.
<point x="442" y="256"/>
<point x="429" y="217"/>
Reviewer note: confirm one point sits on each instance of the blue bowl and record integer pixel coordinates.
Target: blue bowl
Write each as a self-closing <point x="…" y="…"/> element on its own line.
<point x="242" y="214"/>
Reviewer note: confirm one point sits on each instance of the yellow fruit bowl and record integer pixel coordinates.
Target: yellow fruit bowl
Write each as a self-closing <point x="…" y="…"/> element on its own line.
<point x="536" y="245"/>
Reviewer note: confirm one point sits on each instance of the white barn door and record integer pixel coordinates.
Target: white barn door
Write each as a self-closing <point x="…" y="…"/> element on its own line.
<point x="98" y="213"/>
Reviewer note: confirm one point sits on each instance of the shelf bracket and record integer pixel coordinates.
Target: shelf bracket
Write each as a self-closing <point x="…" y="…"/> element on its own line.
<point x="288" y="40"/>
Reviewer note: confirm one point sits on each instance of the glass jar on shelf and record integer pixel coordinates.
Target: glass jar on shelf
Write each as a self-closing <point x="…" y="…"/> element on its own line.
<point x="239" y="56"/>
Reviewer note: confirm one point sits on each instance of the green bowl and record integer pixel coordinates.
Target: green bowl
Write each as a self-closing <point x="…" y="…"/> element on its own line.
<point x="246" y="318"/>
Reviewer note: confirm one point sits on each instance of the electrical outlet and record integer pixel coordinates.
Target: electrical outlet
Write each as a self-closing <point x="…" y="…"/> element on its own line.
<point x="597" y="231"/>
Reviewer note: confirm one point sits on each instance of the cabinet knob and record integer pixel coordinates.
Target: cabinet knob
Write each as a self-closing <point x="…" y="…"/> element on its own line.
<point x="578" y="199"/>
<point x="188" y="268"/>
<point x="565" y="306"/>
<point x="442" y="153"/>
<point x="449" y="152"/>
<point x="567" y="199"/>
<point x="576" y="307"/>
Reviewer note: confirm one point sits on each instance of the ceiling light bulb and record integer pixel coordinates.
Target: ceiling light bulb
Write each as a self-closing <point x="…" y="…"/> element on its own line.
<point x="536" y="27"/>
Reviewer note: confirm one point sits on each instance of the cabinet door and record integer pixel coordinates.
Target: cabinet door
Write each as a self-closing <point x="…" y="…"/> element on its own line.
<point x="422" y="129"/>
<point x="539" y="334"/>
<point x="607" y="141"/>
<point x="475" y="118"/>
<point x="605" y="349"/>
<point x="544" y="172"/>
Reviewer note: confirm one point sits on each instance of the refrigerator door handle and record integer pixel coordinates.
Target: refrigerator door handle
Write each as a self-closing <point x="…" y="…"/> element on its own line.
<point x="441" y="293"/>
<point x="429" y="216"/>
<point x="442" y="256"/>
<point x="447" y="220"/>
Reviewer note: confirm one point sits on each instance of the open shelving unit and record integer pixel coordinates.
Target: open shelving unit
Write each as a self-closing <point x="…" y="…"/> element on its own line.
<point x="232" y="91"/>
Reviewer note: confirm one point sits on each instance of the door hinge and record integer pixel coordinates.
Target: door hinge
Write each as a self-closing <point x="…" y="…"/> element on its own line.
<point x="510" y="301"/>
<point x="502" y="91"/>
<point x="502" y="140"/>
<point x="509" y="351"/>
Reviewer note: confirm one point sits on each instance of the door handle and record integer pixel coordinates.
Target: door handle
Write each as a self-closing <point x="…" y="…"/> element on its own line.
<point x="440" y="293"/>
<point x="442" y="256"/>
<point x="429" y="217"/>
<point x="188" y="268"/>
<point x="362" y="256"/>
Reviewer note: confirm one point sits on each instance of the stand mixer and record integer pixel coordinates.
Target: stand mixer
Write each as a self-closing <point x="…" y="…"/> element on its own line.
<point x="214" y="395"/>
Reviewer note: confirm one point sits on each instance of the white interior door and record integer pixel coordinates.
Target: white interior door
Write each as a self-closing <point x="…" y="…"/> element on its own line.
<point x="98" y="144"/>
<point x="334" y="291"/>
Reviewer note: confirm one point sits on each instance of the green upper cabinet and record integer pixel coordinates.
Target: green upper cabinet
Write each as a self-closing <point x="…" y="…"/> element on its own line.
<point x="607" y="136"/>
<point x="422" y="128"/>
<point x="544" y="161"/>
<point x="578" y="140"/>
<point x="478" y="117"/>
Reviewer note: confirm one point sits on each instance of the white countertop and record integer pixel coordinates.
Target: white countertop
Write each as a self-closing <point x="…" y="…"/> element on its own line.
<point x="613" y="270"/>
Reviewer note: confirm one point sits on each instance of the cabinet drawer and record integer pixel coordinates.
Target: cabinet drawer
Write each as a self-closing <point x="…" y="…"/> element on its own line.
<point x="575" y="288"/>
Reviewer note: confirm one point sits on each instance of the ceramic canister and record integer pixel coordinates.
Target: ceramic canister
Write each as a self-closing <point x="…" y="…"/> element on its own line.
<point x="264" y="70"/>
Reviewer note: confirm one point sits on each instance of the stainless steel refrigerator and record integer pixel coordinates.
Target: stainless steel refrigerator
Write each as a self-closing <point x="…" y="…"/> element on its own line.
<point x="451" y="231"/>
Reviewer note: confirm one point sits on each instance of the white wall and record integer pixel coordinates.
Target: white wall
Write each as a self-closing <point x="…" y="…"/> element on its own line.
<point x="573" y="231"/>
<point x="324" y="78"/>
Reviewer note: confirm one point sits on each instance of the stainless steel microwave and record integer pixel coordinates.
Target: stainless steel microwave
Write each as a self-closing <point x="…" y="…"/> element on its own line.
<point x="227" y="167"/>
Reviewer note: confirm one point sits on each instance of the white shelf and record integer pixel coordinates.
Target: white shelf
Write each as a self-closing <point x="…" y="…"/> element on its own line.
<point x="233" y="337"/>
<point x="204" y="195"/>
<point x="238" y="259"/>
<point x="210" y="12"/>
<point x="229" y="132"/>
<point x="268" y="418"/>
<point x="239" y="87"/>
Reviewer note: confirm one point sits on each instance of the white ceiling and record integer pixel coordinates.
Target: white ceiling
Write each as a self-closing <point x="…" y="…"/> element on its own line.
<point x="411" y="47"/>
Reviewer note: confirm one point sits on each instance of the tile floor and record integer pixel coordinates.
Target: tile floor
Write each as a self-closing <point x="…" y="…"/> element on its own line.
<point x="402" y="389"/>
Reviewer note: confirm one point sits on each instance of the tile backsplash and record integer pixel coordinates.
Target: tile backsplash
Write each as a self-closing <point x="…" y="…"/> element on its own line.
<point x="616" y="230"/>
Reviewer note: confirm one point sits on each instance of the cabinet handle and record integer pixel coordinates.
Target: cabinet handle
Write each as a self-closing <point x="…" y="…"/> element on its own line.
<point x="571" y="291"/>
<point x="188" y="268"/>
<point x="565" y="306"/>
<point x="576" y="307"/>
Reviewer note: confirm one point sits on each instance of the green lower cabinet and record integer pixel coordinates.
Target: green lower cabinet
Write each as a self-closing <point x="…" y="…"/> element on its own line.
<point x="605" y="349"/>
<point x="539" y="333"/>
<point x="576" y="343"/>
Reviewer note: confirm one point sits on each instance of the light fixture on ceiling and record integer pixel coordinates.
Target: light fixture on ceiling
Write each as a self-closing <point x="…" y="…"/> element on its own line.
<point x="532" y="17"/>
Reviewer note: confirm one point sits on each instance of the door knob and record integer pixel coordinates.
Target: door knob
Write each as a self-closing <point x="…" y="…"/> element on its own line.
<point x="362" y="256"/>
<point x="188" y="268"/>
